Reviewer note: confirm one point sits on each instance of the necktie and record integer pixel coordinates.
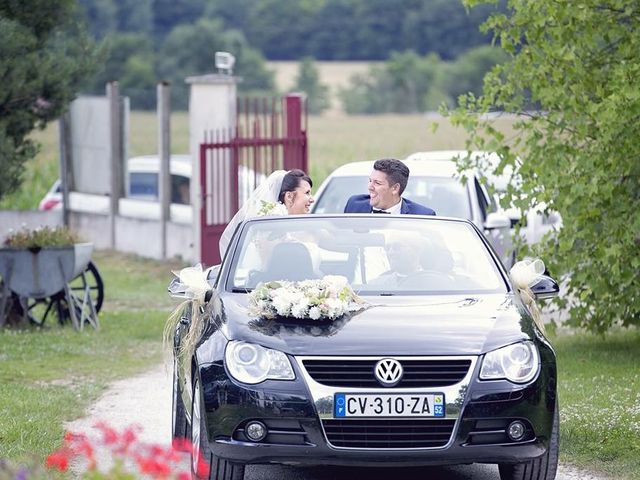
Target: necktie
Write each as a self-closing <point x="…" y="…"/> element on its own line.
<point x="376" y="210"/>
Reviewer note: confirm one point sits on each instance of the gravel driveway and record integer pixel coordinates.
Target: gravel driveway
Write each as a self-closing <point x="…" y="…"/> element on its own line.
<point x="146" y="400"/>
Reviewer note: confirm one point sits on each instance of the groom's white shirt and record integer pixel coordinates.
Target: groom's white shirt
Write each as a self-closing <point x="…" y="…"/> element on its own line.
<point x="396" y="209"/>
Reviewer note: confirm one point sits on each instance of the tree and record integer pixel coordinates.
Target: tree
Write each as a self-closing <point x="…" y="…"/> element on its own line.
<point x="444" y="27"/>
<point x="45" y="58"/>
<point x="578" y="62"/>
<point x="100" y="15"/>
<point x="130" y="60"/>
<point x="308" y="81"/>
<point x="189" y="50"/>
<point x="167" y="14"/>
<point x="135" y="16"/>
<point x="401" y="85"/>
<point x="465" y="74"/>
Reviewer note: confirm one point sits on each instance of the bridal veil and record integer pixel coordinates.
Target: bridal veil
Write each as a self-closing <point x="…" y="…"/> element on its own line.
<point x="267" y="191"/>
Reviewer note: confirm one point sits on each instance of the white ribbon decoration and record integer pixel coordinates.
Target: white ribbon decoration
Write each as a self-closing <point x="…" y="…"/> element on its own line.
<point x="192" y="283"/>
<point x="524" y="275"/>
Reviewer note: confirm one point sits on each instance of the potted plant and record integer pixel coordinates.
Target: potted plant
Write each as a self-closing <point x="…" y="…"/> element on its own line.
<point x="36" y="267"/>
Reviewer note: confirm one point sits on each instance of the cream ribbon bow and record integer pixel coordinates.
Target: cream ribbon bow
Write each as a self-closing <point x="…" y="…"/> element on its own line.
<point x="192" y="283"/>
<point x="524" y="275"/>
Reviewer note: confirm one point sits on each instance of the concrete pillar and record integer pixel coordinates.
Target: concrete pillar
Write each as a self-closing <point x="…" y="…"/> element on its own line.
<point x="212" y="106"/>
<point x="163" y="90"/>
<point x="117" y="158"/>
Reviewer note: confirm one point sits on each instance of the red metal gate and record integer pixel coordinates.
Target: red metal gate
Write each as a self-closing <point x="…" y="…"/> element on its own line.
<point x="269" y="135"/>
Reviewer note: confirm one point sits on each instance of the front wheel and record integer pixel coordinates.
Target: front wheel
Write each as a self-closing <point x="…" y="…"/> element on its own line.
<point x="201" y="455"/>
<point x="543" y="468"/>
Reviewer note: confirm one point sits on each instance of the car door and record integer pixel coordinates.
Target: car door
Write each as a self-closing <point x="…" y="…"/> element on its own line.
<point x="499" y="237"/>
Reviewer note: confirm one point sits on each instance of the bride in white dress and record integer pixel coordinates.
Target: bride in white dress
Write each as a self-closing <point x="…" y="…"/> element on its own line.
<point x="281" y="193"/>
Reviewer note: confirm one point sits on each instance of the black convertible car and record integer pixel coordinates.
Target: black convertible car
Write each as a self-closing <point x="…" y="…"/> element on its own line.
<point x="440" y="362"/>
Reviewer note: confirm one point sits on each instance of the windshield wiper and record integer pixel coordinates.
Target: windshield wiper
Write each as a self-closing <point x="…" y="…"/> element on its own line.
<point x="241" y="290"/>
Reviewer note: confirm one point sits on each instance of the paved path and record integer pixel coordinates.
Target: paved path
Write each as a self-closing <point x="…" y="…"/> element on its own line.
<point x="146" y="400"/>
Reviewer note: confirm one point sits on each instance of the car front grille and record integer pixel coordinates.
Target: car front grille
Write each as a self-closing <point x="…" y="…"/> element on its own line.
<point x="388" y="434"/>
<point x="429" y="373"/>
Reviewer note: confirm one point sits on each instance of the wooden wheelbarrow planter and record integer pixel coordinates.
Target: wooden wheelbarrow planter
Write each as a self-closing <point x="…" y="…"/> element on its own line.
<point x="50" y="281"/>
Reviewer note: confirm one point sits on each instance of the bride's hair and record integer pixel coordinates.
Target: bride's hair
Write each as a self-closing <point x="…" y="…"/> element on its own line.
<point x="291" y="181"/>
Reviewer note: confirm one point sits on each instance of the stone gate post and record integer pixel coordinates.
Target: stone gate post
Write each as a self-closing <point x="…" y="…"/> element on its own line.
<point x="212" y="106"/>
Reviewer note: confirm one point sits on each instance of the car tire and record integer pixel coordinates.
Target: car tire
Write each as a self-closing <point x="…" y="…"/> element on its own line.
<point x="178" y="410"/>
<point x="219" y="469"/>
<point x="543" y="468"/>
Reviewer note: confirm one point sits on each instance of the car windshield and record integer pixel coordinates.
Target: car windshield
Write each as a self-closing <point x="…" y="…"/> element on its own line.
<point x="447" y="196"/>
<point x="399" y="255"/>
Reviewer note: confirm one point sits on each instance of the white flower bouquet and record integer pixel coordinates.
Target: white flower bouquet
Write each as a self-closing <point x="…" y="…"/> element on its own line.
<point x="272" y="208"/>
<point x="328" y="298"/>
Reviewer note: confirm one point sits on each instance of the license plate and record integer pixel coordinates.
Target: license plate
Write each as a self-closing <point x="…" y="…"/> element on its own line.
<point x="388" y="405"/>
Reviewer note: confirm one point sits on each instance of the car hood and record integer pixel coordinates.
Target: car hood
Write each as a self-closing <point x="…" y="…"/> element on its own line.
<point x="435" y="325"/>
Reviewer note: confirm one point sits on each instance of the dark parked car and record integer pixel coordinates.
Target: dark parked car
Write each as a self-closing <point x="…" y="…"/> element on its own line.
<point x="444" y="365"/>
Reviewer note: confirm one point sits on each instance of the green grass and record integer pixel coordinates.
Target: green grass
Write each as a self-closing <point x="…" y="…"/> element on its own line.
<point x="51" y="375"/>
<point x="599" y="388"/>
<point x="39" y="174"/>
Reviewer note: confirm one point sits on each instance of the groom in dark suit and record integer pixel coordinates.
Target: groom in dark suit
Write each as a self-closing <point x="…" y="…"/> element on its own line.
<point x="386" y="184"/>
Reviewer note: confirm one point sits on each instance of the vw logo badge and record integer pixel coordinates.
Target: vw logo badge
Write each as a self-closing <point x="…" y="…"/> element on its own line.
<point x="388" y="372"/>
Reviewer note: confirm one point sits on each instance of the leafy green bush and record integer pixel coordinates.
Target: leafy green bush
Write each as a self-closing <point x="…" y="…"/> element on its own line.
<point x="577" y="154"/>
<point x="308" y="81"/>
<point x="41" y="237"/>
<point x="410" y="83"/>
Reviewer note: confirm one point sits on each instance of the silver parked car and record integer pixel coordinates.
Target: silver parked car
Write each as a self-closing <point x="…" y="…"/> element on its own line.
<point x="433" y="182"/>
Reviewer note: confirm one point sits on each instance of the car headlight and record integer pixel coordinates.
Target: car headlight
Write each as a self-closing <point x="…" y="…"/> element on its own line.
<point x="518" y="363"/>
<point x="251" y="363"/>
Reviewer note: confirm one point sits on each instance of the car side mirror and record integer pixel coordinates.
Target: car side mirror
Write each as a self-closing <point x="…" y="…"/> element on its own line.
<point x="176" y="289"/>
<point x="545" y="287"/>
<point x="496" y="220"/>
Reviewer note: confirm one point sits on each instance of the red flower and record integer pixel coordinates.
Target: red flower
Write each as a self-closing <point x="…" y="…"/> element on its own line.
<point x="127" y="439"/>
<point x="80" y="445"/>
<point x="181" y="445"/>
<point x="203" y="467"/>
<point x="154" y="461"/>
<point x="153" y="467"/>
<point x="109" y="435"/>
<point x="129" y="436"/>
<point x="156" y="451"/>
<point x="59" y="460"/>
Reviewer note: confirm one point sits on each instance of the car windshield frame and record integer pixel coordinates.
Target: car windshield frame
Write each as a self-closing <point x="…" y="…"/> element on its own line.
<point x="434" y="191"/>
<point x="375" y="234"/>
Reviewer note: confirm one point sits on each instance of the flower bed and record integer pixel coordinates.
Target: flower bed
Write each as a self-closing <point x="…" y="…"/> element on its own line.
<point x="119" y="455"/>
